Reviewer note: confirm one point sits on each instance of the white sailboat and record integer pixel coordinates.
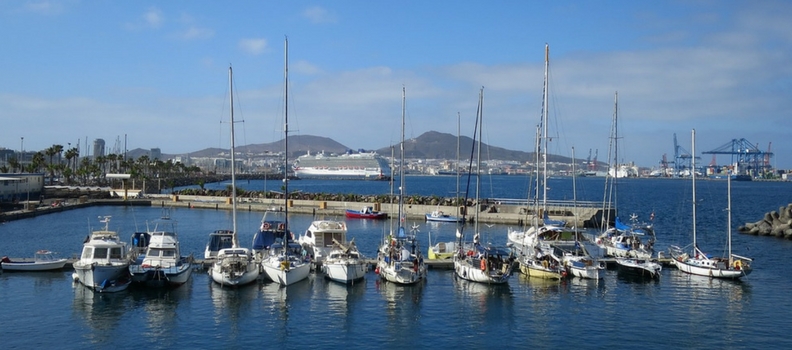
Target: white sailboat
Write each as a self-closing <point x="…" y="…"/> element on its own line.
<point x="732" y="266"/>
<point x="234" y="266"/>
<point x="484" y="264"/>
<point x="399" y="259"/>
<point x="286" y="263"/>
<point x="104" y="262"/>
<point x="634" y="240"/>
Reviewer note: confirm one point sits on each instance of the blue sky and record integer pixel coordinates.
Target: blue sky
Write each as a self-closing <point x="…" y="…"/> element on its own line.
<point x="157" y="72"/>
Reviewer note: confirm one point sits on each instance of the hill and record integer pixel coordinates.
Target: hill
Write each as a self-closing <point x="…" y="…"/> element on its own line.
<point x="429" y="145"/>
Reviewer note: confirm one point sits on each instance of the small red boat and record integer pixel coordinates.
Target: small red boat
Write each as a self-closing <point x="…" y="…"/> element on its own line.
<point x="365" y="213"/>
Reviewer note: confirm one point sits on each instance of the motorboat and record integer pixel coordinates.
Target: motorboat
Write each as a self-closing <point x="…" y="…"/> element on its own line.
<point x="643" y="268"/>
<point x="162" y="264"/>
<point x="104" y="264"/>
<point x="218" y="240"/>
<point x="43" y="260"/>
<point x="320" y="237"/>
<point x="439" y="216"/>
<point x="365" y="213"/>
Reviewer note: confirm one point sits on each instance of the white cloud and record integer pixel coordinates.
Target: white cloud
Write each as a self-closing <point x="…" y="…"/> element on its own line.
<point x="317" y="15"/>
<point x="44" y="7"/>
<point x="253" y="46"/>
<point x="195" y="33"/>
<point x="153" y="18"/>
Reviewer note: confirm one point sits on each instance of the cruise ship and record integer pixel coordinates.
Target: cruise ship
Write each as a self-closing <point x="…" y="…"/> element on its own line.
<point x="348" y="166"/>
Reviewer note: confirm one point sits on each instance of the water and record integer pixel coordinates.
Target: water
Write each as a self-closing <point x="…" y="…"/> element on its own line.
<point x="48" y="310"/>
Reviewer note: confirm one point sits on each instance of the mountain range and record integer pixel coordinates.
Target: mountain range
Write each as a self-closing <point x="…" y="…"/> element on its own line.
<point x="429" y="145"/>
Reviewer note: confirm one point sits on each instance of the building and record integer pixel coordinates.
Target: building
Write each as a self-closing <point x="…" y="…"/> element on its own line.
<point x="98" y="148"/>
<point x="155" y="153"/>
<point x="15" y="188"/>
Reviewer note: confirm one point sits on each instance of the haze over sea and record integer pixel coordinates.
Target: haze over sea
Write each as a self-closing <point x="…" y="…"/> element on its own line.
<point x="679" y="311"/>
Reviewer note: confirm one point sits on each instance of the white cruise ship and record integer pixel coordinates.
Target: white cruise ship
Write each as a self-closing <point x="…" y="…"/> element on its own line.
<point x="351" y="166"/>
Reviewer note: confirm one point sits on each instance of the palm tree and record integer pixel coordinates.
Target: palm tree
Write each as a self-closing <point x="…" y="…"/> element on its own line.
<point x="14" y="164"/>
<point x="72" y="153"/>
<point x="37" y="162"/>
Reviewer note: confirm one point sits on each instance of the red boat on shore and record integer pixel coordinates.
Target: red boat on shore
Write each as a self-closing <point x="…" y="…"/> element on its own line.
<point x="365" y="213"/>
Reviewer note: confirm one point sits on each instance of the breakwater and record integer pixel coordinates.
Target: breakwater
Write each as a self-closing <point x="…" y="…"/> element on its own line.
<point x="775" y="223"/>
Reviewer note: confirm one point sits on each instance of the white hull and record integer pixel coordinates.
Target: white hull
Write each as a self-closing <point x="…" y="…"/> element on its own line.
<point x="626" y="253"/>
<point x="161" y="276"/>
<point x="705" y="267"/>
<point x="584" y="267"/>
<point x="311" y="173"/>
<point x="471" y="270"/>
<point x="33" y="266"/>
<point x="234" y="267"/>
<point x="286" y="276"/>
<point x="345" y="271"/>
<point x="401" y="272"/>
<point x="103" y="278"/>
<point x="639" y="267"/>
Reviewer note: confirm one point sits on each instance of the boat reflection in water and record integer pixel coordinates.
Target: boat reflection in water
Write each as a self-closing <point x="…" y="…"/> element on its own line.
<point x="101" y="312"/>
<point x="341" y="297"/>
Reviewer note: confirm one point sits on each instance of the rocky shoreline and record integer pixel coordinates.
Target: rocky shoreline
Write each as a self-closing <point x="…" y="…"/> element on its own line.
<point x="775" y="223"/>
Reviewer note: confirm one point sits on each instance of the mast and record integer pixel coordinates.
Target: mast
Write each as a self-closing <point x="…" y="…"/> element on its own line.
<point x="456" y="165"/>
<point x="544" y="122"/>
<point x="286" y="135"/>
<point x="478" y="156"/>
<point x="693" y="176"/>
<point x="728" y="211"/>
<point x="401" y="166"/>
<point x="233" y="159"/>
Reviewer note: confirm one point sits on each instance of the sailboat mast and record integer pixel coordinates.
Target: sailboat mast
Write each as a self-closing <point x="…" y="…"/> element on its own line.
<point x="574" y="191"/>
<point x="456" y="165"/>
<point x="478" y="155"/>
<point x="401" y="161"/>
<point x="286" y="133"/>
<point x="693" y="176"/>
<point x="233" y="159"/>
<point x="728" y="213"/>
<point x="545" y="109"/>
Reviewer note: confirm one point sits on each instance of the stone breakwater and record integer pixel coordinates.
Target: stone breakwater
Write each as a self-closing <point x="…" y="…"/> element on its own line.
<point x="775" y="223"/>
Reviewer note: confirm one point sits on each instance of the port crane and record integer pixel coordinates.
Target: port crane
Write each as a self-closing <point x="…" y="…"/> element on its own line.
<point x="746" y="156"/>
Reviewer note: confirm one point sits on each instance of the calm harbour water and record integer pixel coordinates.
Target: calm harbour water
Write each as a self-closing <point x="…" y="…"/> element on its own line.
<point x="47" y="310"/>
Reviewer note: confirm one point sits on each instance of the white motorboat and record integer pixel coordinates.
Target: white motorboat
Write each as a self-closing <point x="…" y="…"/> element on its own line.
<point x="43" y="260"/>
<point x="104" y="263"/>
<point x="642" y="268"/>
<point x="234" y="266"/>
<point x="730" y="266"/>
<point x="286" y="262"/>
<point x="344" y="263"/>
<point x="321" y="236"/>
<point x="162" y="264"/>
<point x="218" y="240"/>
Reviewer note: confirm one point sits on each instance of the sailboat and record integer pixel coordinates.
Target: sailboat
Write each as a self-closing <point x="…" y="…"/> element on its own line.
<point x="399" y="259"/>
<point x="634" y="240"/>
<point x="286" y="264"/>
<point x="480" y="263"/>
<point x="524" y="240"/>
<point x="732" y="266"/>
<point x="234" y="266"/>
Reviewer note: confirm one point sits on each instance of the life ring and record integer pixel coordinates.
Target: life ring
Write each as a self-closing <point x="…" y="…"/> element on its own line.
<point x="738" y="264"/>
<point x="483" y="265"/>
<point x="281" y="226"/>
<point x="265" y="226"/>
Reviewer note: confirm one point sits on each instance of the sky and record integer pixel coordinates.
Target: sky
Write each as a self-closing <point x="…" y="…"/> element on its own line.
<point x="155" y="73"/>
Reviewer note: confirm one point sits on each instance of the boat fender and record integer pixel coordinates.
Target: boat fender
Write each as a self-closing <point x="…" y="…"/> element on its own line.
<point x="483" y="265"/>
<point x="738" y="264"/>
<point x="265" y="226"/>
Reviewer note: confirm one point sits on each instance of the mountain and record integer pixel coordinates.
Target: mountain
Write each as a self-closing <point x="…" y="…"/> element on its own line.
<point x="430" y="145"/>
